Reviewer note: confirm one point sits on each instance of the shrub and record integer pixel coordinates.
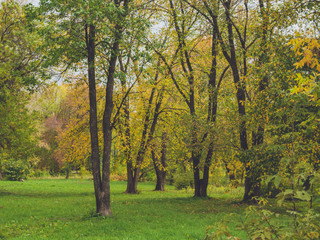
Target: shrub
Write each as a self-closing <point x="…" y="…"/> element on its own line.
<point x="218" y="177"/>
<point x="261" y="223"/>
<point x="15" y="169"/>
<point x="37" y="173"/>
<point x="170" y="179"/>
<point x="183" y="180"/>
<point x="147" y="174"/>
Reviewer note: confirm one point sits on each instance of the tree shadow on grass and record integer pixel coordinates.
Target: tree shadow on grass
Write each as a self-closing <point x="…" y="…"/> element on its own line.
<point x="189" y="205"/>
<point x="46" y="194"/>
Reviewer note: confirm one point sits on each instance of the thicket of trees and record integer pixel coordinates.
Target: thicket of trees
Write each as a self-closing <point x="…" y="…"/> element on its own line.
<point x="163" y="88"/>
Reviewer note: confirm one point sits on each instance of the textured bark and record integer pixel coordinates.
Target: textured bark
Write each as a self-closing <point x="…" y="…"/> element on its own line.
<point x="132" y="179"/>
<point x="95" y="154"/>
<point x="252" y="189"/>
<point x="212" y="112"/>
<point x="130" y="188"/>
<point x="185" y="60"/>
<point x="126" y="142"/>
<point x="161" y="181"/>
<point x="107" y="125"/>
<point x="258" y="137"/>
<point x="68" y="173"/>
<point x="101" y="181"/>
<point x="127" y="147"/>
<point x="149" y="128"/>
<point x="241" y="96"/>
<point x="161" y="165"/>
<point x="189" y="98"/>
<point x="229" y="52"/>
<point x="252" y="183"/>
<point x="133" y="171"/>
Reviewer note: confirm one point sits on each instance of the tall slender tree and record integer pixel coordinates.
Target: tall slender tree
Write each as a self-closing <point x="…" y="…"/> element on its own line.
<point x="74" y="32"/>
<point x="185" y="51"/>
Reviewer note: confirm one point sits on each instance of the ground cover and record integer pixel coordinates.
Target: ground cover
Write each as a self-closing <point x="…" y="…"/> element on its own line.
<point x="64" y="209"/>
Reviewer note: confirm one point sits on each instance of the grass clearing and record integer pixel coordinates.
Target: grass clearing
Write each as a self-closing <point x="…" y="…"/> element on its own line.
<point x="64" y="209"/>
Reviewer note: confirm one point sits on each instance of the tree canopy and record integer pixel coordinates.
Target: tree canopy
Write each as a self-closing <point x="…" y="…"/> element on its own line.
<point x="148" y="90"/>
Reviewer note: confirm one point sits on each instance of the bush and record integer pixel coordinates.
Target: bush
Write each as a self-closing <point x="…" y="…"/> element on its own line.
<point x="15" y="169"/>
<point x="37" y="173"/>
<point x="261" y="223"/>
<point x="218" y="177"/>
<point x="147" y="175"/>
<point x="169" y="178"/>
<point x="183" y="180"/>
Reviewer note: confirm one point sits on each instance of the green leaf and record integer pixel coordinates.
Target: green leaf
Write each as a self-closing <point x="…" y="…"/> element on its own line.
<point x="302" y="195"/>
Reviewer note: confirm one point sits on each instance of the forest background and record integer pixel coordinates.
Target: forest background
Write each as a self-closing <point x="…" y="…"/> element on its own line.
<point x="190" y="93"/>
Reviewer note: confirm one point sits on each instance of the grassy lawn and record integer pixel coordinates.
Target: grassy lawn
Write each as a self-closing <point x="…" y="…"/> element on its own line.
<point x="64" y="209"/>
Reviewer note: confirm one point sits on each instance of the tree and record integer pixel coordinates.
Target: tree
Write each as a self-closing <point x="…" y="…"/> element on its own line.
<point x="74" y="33"/>
<point x="20" y="60"/>
<point x="73" y="136"/>
<point x="149" y="111"/>
<point x="48" y="103"/>
<point x="188" y="45"/>
<point x="160" y="163"/>
<point x="136" y="76"/>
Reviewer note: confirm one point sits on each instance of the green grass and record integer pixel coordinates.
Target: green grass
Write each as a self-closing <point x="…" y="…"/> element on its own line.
<point x="64" y="209"/>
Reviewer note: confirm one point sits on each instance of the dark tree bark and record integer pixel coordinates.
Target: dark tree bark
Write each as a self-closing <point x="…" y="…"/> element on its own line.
<point x="95" y="153"/>
<point x="134" y="171"/>
<point x="230" y="54"/>
<point x="230" y="174"/>
<point x="187" y="69"/>
<point x="189" y="97"/>
<point x="229" y="51"/>
<point x="107" y="125"/>
<point x="258" y="136"/>
<point x="240" y="85"/>
<point x="126" y="141"/>
<point x="161" y="165"/>
<point x="253" y="183"/>
<point x="68" y="173"/>
<point x="149" y="126"/>
<point x="146" y="138"/>
<point x="161" y="180"/>
<point x="102" y="181"/>
<point x="212" y="111"/>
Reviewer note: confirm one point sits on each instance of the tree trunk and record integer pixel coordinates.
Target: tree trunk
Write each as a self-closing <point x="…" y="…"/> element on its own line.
<point x="232" y="60"/>
<point x="101" y="183"/>
<point x="131" y="188"/>
<point x="230" y="174"/>
<point x="132" y="179"/>
<point x="198" y="188"/>
<point x="95" y="155"/>
<point x="241" y="97"/>
<point x="160" y="166"/>
<point x="212" y="112"/>
<point x="107" y="125"/>
<point x="252" y="189"/>
<point x="161" y="181"/>
<point x="68" y="173"/>
<point x="146" y="138"/>
<point x="253" y="183"/>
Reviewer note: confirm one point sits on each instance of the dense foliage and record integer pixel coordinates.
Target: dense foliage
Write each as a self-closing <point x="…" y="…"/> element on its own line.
<point x="188" y="92"/>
